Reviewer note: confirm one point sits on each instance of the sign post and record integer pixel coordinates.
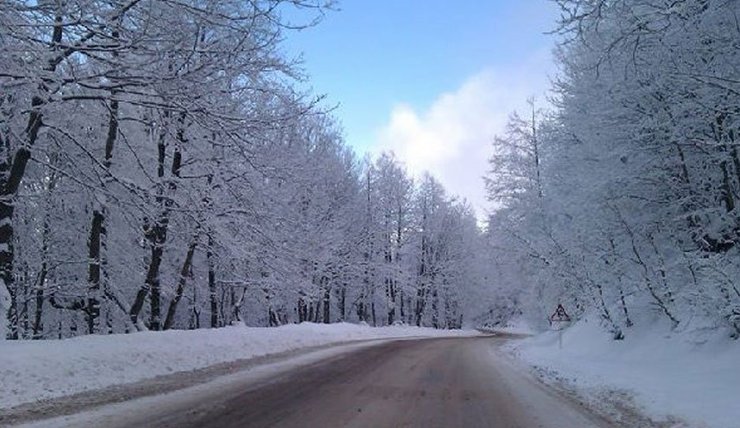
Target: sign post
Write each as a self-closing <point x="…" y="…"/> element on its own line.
<point x="558" y="321"/>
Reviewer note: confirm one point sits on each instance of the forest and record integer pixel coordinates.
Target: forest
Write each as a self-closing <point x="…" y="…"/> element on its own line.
<point x="620" y="197"/>
<point x="161" y="170"/>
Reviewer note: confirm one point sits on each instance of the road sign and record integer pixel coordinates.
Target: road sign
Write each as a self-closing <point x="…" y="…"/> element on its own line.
<point x="558" y="321"/>
<point x="559" y="315"/>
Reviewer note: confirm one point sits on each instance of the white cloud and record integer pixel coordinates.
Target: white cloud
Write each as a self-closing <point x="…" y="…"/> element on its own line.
<point x="452" y="138"/>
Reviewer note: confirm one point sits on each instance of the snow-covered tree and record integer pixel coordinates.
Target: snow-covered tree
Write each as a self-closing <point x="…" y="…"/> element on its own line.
<point x="639" y="169"/>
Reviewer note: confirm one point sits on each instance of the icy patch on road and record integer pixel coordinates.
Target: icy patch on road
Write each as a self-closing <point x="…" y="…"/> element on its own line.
<point x="665" y="375"/>
<point x="31" y="371"/>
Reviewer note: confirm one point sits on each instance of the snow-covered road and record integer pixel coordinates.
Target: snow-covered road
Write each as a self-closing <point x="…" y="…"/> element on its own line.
<point x="433" y="382"/>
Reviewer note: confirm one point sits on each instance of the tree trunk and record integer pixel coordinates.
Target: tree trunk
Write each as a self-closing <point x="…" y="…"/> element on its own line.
<point x="302" y="310"/>
<point x="212" y="283"/>
<point x="616" y="331"/>
<point x="435" y="308"/>
<point x="153" y="282"/>
<point x="327" y="300"/>
<point x="401" y="297"/>
<point x="391" y="301"/>
<point x="646" y="272"/>
<point x="97" y="228"/>
<point x="342" y="302"/>
<point x="420" y="303"/>
<point x="93" y="277"/>
<point x="184" y="272"/>
<point x="628" y="320"/>
<point x="361" y="315"/>
<point x="157" y="234"/>
<point x="236" y="306"/>
<point x="726" y="188"/>
<point x="448" y="318"/>
<point x="38" y="327"/>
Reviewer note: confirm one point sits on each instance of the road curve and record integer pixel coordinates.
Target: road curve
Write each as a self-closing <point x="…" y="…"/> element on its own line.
<point x="451" y="382"/>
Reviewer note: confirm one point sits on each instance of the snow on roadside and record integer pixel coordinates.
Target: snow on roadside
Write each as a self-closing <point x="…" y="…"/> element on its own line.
<point x="516" y="326"/>
<point x="690" y="375"/>
<point x="30" y="371"/>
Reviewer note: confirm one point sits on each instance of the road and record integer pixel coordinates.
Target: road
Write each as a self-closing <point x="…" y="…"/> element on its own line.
<point x="452" y="382"/>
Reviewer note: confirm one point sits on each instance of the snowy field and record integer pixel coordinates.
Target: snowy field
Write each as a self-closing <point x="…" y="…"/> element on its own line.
<point x="31" y="371"/>
<point x="690" y="375"/>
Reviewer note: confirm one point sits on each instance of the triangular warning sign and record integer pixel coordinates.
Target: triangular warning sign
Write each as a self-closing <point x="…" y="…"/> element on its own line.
<point x="560" y="314"/>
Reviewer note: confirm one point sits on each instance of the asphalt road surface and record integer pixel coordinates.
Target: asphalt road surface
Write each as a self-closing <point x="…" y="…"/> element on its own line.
<point x="452" y="382"/>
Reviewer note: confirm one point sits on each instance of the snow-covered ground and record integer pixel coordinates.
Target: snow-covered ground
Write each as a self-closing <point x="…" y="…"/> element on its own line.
<point x="693" y="376"/>
<point x="515" y="327"/>
<point x="30" y="371"/>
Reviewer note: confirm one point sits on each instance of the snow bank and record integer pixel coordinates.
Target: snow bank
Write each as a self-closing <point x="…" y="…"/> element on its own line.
<point x="693" y="376"/>
<point x="46" y="369"/>
<point x="517" y="326"/>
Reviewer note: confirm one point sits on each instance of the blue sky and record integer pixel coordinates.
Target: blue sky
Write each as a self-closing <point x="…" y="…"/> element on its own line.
<point x="398" y="70"/>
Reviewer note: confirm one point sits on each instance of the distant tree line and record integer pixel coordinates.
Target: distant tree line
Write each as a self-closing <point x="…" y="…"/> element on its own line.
<point x="159" y="169"/>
